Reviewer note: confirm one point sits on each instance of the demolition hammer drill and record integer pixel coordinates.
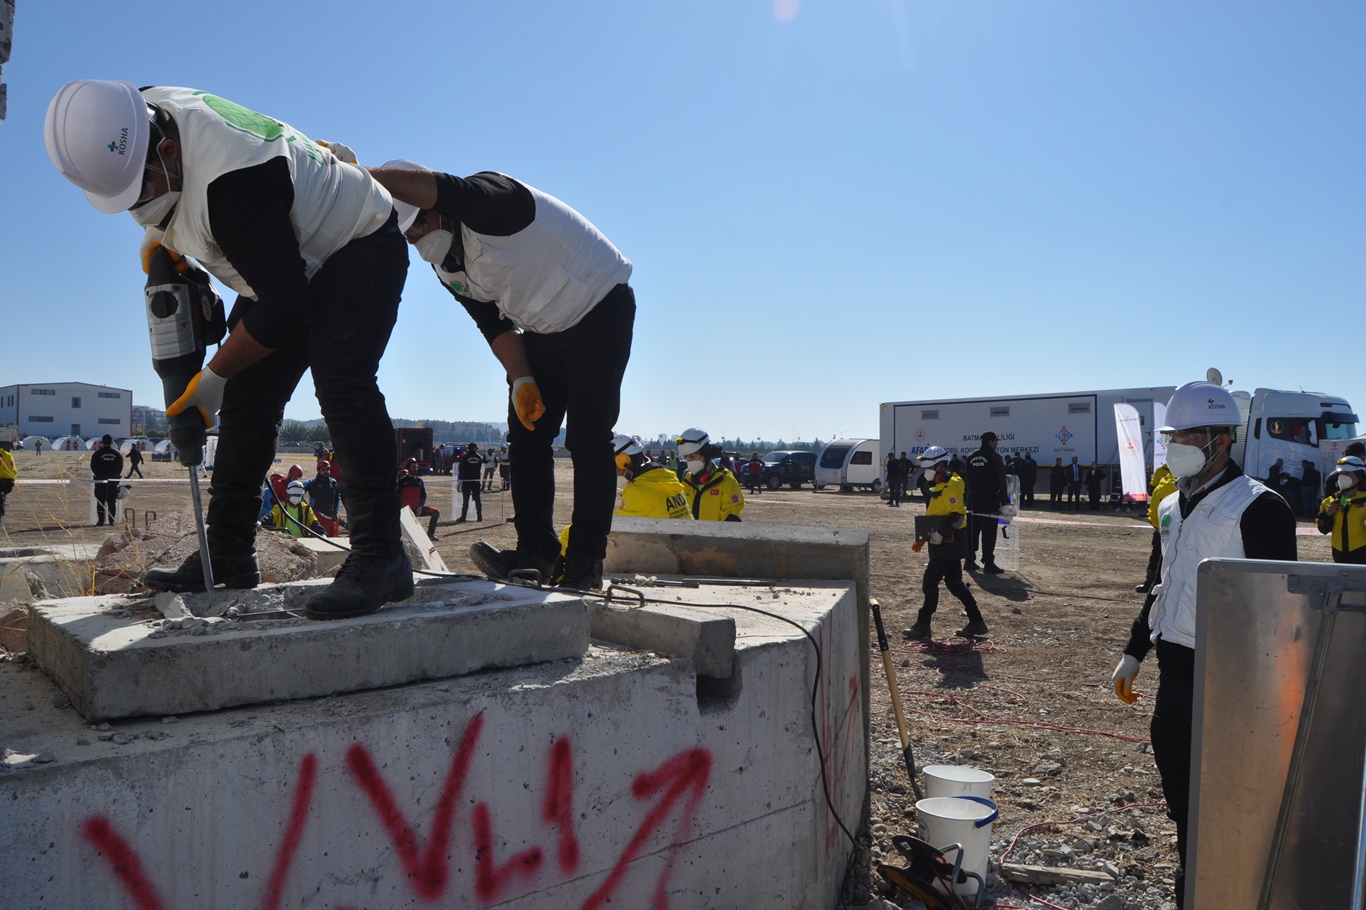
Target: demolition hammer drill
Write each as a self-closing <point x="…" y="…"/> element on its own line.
<point x="184" y="316"/>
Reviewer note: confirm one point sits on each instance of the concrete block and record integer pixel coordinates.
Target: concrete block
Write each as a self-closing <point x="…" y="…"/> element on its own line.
<point x="329" y="557"/>
<point x="117" y="657"/>
<point x="62" y="569"/>
<point x="707" y="639"/>
<point x="420" y="547"/>
<point x="586" y="784"/>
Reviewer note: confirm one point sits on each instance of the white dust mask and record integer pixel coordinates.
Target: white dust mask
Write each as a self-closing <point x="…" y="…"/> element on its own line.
<point x="154" y="211"/>
<point x="622" y="481"/>
<point x="295" y="500"/>
<point x="1346" y="481"/>
<point x="695" y="467"/>
<point x="434" y="245"/>
<point x="1184" y="460"/>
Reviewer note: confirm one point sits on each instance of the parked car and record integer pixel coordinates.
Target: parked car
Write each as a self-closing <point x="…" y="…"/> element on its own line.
<point x="791" y="467"/>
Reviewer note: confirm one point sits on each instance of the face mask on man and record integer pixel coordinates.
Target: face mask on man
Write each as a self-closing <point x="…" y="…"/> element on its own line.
<point x="622" y="481"/>
<point x="295" y="500"/>
<point x="154" y="211"/>
<point x="434" y="245"/>
<point x="1346" y="481"/>
<point x="695" y="467"/>
<point x="1186" y="461"/>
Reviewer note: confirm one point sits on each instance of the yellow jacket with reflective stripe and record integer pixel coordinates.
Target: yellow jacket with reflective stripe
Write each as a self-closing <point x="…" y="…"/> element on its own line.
<point x="717" y="498"/>
<point x="7" y="470"/>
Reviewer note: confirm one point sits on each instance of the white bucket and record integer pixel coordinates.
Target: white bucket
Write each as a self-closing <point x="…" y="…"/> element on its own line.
<point x="952" y="780"/>
<point x="962" y="820"/>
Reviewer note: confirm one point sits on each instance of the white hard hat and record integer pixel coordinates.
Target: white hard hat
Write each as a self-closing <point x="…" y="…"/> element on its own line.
<point x="97" y="135"/>
<point x="1350" y="464"/>
<point x="933" y="455"/>
<point x="1201" y="404"/>
<point x="626" y="445"/>
<point x="691" y="440"/>
<point x="407" y="214"/>
<point x="294" y="488"/>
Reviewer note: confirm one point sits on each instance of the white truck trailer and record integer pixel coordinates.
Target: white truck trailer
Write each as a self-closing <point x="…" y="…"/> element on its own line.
<point x="1275" y="424"/>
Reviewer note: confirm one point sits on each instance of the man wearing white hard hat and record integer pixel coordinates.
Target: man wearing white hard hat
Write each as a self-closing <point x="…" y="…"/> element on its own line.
<point x="549" y="293"/>
<point x="312" y="247"/>
<point x="1343" y="514"/>
<point x="1216" y="511"/>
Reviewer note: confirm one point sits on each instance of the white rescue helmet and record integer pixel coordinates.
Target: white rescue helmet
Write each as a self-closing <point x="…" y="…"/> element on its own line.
<point x="626" y="445"/>
<point x="626" y="449"/>
<point x="407" y="214"/>
<point x="294" y="488"/>
<point x="1201" y="404"/>
<point x="932" y="456"/>
<point x="692" y="440"/>
<point x="97" y="134"/>
<point x="1351" y="464"/>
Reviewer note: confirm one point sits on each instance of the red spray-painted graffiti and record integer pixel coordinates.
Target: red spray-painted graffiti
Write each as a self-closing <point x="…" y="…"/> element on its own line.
<point x="681" y="780"/>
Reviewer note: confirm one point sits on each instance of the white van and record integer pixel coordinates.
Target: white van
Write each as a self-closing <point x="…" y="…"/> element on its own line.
<point x="850" y="463"/>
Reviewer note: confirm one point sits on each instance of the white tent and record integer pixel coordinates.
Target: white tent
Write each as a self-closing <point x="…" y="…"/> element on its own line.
<point x="28" y="442"/>
<point x="163" y="447"/>
<point x="68" y="443"/>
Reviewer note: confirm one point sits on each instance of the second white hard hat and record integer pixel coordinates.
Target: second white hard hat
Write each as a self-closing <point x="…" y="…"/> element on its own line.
<point x="96" y="133"/>
<point x="1201" y="404"/>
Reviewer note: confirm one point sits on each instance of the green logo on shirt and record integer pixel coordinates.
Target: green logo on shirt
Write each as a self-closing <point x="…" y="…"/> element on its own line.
<point x="259" y="125"/>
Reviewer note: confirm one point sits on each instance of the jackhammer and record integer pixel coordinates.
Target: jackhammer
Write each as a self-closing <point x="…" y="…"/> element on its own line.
<point x="184" y="316"/>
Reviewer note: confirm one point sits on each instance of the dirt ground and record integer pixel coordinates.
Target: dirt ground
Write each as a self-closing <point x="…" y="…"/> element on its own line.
<point x="1074" y="777"/>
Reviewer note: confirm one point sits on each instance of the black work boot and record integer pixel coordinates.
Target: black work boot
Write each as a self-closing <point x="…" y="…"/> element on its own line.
<point x="975" y="628"/>
<point x="582" y="574"/>
<point x="500" y="564"/>
<point x="363" y="585"/>
<point x="918" y="632"/>
<point x="236" y="571"/>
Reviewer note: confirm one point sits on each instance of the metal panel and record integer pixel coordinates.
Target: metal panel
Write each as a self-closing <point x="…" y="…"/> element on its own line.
<point x="1279" y="661"/>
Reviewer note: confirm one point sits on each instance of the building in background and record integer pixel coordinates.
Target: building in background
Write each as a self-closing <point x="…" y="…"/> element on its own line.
<point x="56" y="409"/>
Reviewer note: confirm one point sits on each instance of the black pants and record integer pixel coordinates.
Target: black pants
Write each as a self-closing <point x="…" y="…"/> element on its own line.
<point x="352" y="304"/>
<point x="579" y="374"/>
<point x="135" y="468"/>
<point x="894" y="491"/>
<point x="1027" y="493"/>
<point x="6" y="488"/>
<point x="1074" y="496"/>
<point x="949" y="570"/>
<point x="1171" y="735"/>
<point x="106" y="496"/>
<point x="469" y="487"/>
<point x="982" y="532"/>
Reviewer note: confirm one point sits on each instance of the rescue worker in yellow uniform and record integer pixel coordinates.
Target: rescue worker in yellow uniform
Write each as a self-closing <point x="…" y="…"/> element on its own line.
<point x="8" y="475"/>
<point x="1344" y="514"/>
<point x="648" y="489"/>
<point x="713" y="492"/>
<point x="946" y="548"/>
<point x="1162" y="485"/>
<point x="294" y="515"/>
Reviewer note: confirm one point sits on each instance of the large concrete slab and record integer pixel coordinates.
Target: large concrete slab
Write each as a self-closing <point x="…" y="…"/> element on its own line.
<point x="614" y="780"/>
<point x="119" y="656"/>
<point x="692" y="632"/>
<point x="62" y="569"/>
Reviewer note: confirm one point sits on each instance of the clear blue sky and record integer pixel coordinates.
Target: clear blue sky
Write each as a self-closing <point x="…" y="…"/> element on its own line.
<point x="829" y="203"/>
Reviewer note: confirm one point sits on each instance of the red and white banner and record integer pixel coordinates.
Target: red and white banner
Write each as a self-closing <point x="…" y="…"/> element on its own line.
<point x="1129" y="433"/>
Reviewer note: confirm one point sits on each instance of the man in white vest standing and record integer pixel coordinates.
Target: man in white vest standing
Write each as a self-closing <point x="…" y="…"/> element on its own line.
<point x="1216" y="511"/>
<point x="312" y="247"/>
<point x="550" y="295"/>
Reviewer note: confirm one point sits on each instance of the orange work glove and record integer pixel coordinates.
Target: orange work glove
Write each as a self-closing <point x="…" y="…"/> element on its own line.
<point x="205" y="393"/>
<point x="526" y="400"/>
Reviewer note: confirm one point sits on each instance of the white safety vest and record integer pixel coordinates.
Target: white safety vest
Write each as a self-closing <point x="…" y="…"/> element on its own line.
<point x="334" y="203"/>
<point x="547" y="276"/>
<point x="1213" y="529"/>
